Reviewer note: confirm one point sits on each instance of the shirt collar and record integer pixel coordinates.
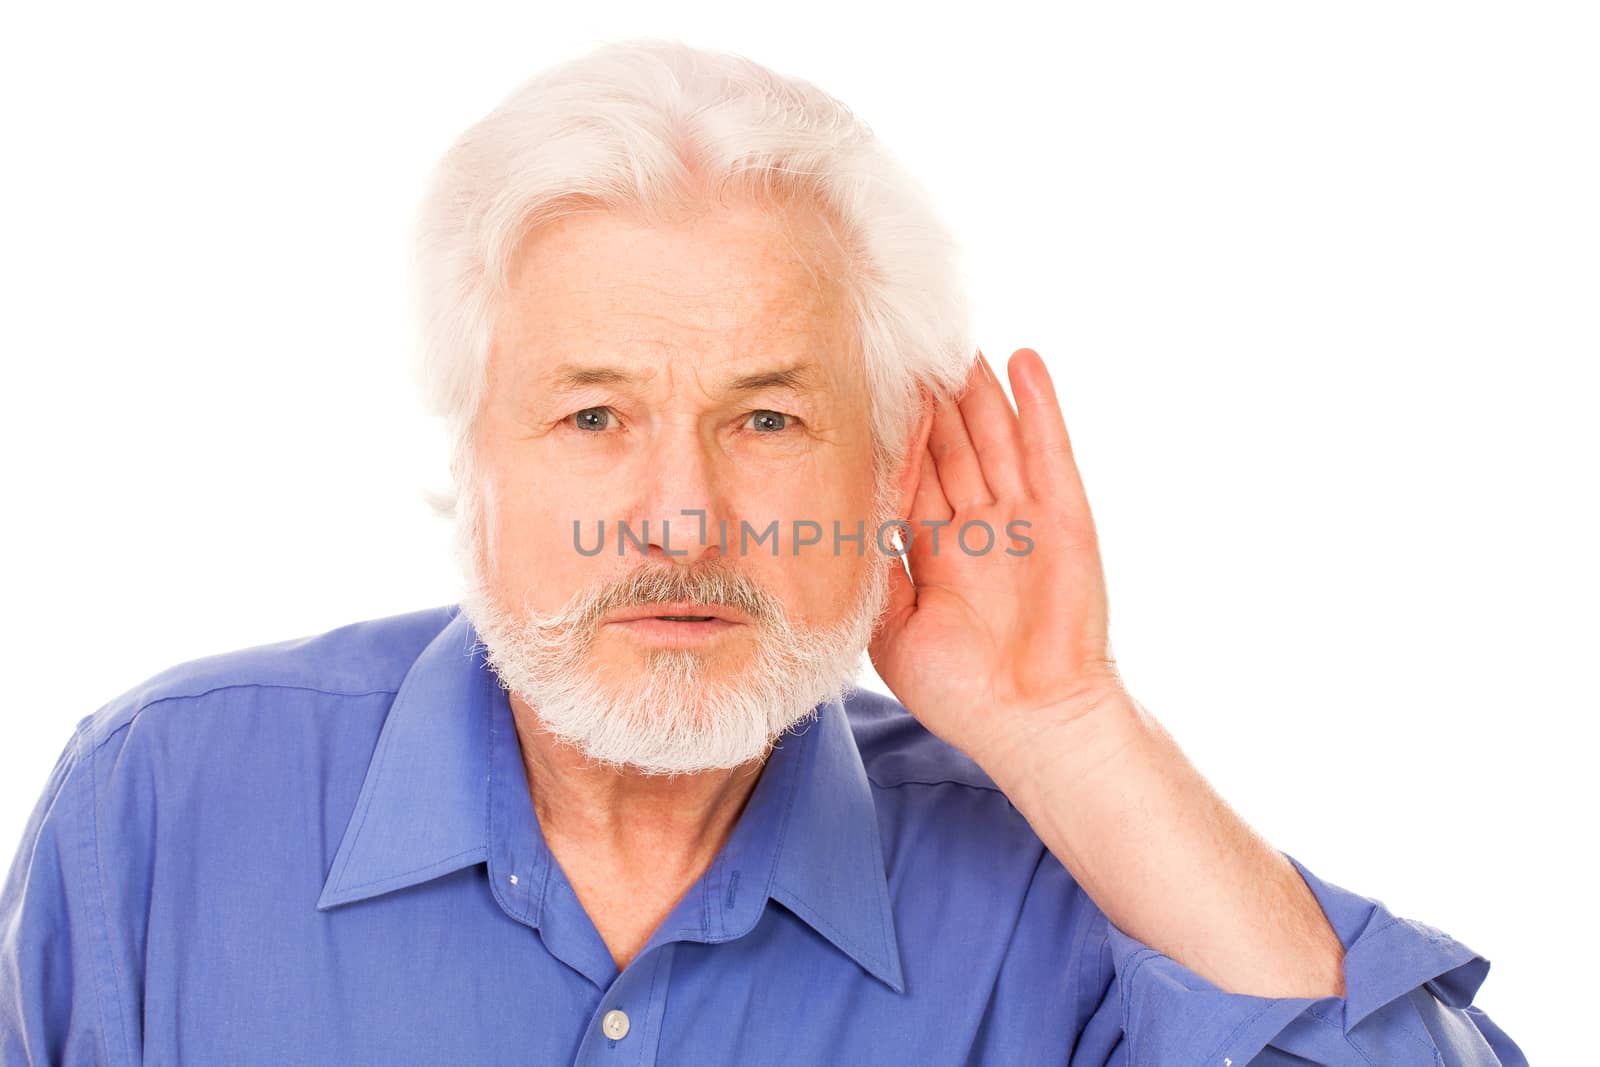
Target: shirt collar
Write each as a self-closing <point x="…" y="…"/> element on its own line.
<point x="443" y="792"/>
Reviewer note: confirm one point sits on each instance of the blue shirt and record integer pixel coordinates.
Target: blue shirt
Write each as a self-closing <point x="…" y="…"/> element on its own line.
<point x="325" y="852"/>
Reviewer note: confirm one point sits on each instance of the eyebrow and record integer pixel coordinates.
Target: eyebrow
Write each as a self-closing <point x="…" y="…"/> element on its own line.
<point x="798" y="376"/>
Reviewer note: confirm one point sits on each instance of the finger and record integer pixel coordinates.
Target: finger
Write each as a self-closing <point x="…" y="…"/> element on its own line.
<point x="957" y="460"/>
<point x="991" y="423"/>
<point x="1048" y="463"/>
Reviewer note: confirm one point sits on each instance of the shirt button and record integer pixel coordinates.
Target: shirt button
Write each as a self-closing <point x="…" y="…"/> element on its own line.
<point x="615" y="1024"/>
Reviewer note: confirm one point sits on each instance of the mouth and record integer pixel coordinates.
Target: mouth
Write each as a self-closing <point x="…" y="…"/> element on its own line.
<point x="679" y="611"/>
<point x="678" y="624"/>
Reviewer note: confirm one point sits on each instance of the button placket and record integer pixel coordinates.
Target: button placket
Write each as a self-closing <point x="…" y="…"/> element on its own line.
<point x="625" y="1028"/>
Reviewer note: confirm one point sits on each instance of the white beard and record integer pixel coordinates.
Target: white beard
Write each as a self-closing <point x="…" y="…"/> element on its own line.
<point x="669" y="718"/>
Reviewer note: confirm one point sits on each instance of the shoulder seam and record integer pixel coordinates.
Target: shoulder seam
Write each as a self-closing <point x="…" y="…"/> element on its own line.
<point x="148" y="704"/>
<point x="107" y="949"/>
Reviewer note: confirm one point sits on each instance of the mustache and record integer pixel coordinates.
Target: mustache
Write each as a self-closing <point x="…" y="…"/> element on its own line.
<point x="711" y="582"/>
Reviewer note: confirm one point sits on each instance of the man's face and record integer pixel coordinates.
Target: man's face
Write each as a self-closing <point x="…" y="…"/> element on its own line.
<point x="624" y="383"/>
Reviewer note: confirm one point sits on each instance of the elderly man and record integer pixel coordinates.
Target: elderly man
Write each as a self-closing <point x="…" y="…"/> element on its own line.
<point x="719" y="428"/>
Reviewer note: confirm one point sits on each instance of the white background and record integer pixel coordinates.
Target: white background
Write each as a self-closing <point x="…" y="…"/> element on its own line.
<point x="1318" y="286"/>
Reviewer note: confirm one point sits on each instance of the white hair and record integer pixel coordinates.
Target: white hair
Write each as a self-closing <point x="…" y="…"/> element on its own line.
<point x="654" y="127"/>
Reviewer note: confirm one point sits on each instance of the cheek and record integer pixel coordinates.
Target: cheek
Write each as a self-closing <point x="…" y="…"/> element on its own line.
<point x="817" y="588"/>
<point x="824" y="579"/>
<point x="819" y="487"/>
<point x="532" y="535"/>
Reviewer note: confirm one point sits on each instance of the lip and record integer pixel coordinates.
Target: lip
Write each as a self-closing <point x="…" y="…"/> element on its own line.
<point x="650" y="612"/>
<point x="676" y="634"/>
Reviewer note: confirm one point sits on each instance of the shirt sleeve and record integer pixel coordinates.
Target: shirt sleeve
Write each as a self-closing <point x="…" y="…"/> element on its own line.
<point x="49" y="1011"/>
<point x="1408" y="1000"/>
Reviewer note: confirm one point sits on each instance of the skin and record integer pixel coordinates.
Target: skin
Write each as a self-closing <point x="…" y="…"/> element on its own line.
<point x="1004" y="657"/>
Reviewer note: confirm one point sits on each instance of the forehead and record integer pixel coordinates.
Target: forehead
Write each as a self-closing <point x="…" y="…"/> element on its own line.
<point x="738" y="289"/>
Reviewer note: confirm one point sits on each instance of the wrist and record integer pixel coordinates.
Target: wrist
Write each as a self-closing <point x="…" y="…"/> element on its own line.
<point x="1072" y="740"/>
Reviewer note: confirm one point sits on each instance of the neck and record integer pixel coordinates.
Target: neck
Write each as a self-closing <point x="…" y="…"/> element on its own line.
<point x="637" y="825"/>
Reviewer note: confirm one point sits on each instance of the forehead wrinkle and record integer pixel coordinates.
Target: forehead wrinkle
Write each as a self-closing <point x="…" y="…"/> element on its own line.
<point x="804" y="376"/>
<point x="738" y="317"/>
<point x="780" y="328"/>
<point x="771" y="273"/>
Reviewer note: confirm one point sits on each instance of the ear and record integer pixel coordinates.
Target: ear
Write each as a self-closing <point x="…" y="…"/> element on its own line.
<point x="909" y="470"/>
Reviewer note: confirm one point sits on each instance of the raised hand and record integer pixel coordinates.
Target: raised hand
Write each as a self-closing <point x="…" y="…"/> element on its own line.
<point x="986" y="646"/>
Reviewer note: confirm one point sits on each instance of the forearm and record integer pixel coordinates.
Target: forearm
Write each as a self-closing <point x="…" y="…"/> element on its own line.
<point x="1114" y="798"/>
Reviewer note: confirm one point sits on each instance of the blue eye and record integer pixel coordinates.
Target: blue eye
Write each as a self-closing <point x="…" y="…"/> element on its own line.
<point x="767" y="419"/>
<point x="598" y="419"/>
<point x="592" y="419"/>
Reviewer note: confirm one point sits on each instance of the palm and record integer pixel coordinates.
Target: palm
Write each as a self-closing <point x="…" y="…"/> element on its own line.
<point x="973" y="641"/>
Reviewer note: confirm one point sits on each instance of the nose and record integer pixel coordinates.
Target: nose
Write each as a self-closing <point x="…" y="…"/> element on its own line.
<point x="683" y="499"/>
